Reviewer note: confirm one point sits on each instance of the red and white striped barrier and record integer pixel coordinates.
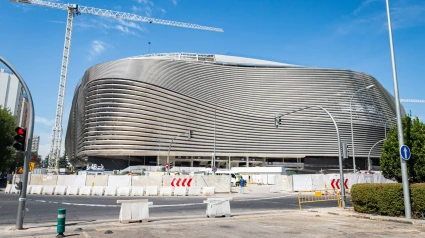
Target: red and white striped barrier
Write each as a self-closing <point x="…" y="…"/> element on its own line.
<point x="181" y="182"/>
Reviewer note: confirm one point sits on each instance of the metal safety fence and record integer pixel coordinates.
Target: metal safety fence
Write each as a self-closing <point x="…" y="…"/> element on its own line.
<point x="322" y="196"/>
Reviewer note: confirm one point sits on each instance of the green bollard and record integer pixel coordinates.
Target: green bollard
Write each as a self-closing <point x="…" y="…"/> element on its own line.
<point x="61" y="221"/>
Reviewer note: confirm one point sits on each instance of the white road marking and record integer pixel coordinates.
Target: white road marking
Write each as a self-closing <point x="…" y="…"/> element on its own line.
<point x="157" y="206"/>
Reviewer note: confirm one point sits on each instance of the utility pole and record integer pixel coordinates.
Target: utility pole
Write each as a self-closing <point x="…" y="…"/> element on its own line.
<point x="149" y="43"/>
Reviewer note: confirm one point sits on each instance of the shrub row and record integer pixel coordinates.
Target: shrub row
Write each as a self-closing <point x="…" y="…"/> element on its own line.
<point x="387" y="199"/>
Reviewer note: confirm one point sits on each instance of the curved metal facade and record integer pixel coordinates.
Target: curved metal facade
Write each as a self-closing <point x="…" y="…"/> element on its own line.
<point x="135" y="106"/>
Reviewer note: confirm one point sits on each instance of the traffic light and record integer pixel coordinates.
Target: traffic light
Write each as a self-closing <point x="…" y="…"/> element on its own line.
<point x="20" y="139"/>
<point x="189" y="136"/>
<point x="277" y="121"/>
<point x="171" y="165"/>
<point x="344" y="150"/>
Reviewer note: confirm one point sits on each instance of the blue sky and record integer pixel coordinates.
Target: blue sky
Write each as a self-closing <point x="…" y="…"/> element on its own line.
<point x="350" y="34"/>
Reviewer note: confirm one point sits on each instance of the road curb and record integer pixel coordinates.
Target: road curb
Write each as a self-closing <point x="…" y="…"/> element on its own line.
<point x="414" y="222"/>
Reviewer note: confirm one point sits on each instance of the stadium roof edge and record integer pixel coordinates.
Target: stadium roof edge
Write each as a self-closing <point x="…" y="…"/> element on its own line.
<point x="215" y="59"/>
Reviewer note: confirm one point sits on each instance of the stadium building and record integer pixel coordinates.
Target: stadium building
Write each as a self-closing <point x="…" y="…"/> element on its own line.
<point x="128" y="111"/>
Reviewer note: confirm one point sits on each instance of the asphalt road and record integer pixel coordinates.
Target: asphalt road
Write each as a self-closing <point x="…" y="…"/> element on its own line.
<point x="43" y="208"/>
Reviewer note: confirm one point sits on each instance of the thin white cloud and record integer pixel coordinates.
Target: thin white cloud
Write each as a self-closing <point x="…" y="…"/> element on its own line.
<point x="97" y="48"/>
<point x="362" y="6"/>
<point x="174" y="2"/>
<point x="58" y="22"/>
<point x="124" y="29"/>
<point x="368" y="18"/>
<point x="145" y="2"/>
<point x="44" y="121"/>
<point x="136" y="9"/>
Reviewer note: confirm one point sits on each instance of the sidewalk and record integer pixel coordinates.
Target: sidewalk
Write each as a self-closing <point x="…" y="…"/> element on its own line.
<point x="349" y="212"/>
<point x="261" y="224"/>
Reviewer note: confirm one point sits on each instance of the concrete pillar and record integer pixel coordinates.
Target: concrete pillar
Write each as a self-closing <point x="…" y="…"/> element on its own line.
<point x="191" y="161"/>
<point x="247" y="161"/>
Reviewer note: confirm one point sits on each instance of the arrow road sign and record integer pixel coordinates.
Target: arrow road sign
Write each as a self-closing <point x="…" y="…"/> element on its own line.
<point x="178" y="182"/>
<point x="405" y="152"/>
<point x="335" y="183"/>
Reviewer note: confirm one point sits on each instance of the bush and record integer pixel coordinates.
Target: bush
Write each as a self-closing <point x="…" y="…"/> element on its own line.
<point x="418" y="200"/>
<point x="387" y="199"/>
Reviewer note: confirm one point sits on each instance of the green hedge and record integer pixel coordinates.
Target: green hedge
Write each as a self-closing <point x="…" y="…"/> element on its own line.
<point x="387" y="199"/>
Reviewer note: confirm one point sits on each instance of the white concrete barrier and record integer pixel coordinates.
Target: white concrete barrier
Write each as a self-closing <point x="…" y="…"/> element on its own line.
<point x="165" y="191"/>
<point x="275" y="189"/>
<point x="151" y="190"/>
<point x="180" y="191"/>
<point x="111" y="191"/>
<point x="97" y="180"/>
<point x="60" y="190"/>
<point x="71" y="180"/>
<point x="124" y="191"/>
<point x="85" y="190"/>
<point x="194" y="191"/>
<point x="221" y="183"/>
<point x="146" y="181"/>
<point x="13" y="190"/>
<point x="72" y="190"/>
<point x="208" y="191"/>
<point x="98" y="190"/>
<point x="119" y="180"/>
<point x="36" y="189"/>
<point x="8" y="188"/>
<point x="137" y="191"/>
<point x="48" y="190"/>
<point x="134" y="210"/>
<point x="218" y="207"/>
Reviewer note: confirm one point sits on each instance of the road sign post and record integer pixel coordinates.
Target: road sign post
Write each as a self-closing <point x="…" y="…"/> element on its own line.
<point x="404" y="174"/>
<point x="405" y="152"/>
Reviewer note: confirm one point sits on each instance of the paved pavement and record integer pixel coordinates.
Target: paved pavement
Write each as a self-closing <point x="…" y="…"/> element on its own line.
<point x="293" y="223"/>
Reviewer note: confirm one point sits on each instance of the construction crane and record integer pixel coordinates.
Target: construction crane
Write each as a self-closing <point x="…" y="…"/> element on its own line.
<point x="412" y="100"/>
<point x="73" y="10"/>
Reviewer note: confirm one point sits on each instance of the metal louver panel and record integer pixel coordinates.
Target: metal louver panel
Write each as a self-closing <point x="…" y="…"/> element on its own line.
<point x="135" y="106"/>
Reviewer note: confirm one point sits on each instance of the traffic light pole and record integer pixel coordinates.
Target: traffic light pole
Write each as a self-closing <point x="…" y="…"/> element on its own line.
<point x="23" y="195"/>
<point x="341" y="171"/>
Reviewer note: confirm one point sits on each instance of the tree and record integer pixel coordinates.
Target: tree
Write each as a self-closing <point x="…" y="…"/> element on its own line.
<point x="63" y="160"/>
<point x="7" y="132"/>
<point x="414" y="137"/>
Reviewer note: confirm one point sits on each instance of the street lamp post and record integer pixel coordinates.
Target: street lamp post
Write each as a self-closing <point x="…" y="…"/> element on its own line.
<point x="215" y="121"/>
<point x="23" y="195"/>
<point x="341" y="172"/>
<point x="351" y="119"/>
<point x="169" y="147"/>
<point x="369" y="164"/>
<point x="404" y="176"/>
<point x="385" y="125"/>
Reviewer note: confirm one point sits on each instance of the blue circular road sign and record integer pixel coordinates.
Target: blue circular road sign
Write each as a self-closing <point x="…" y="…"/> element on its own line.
<point x="405" y="152"/>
